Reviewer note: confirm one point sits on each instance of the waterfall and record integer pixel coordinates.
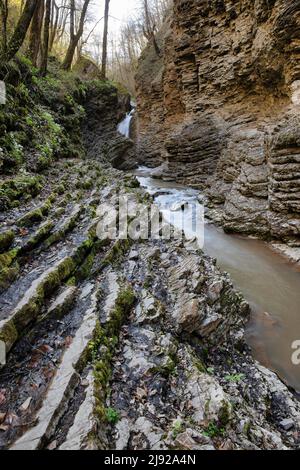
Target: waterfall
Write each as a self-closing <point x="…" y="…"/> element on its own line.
<point x="124" y="126"/>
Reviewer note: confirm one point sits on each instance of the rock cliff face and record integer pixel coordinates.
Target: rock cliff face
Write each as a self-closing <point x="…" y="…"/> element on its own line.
<point x="103" y="112"/>
<point x="224" y="98"/>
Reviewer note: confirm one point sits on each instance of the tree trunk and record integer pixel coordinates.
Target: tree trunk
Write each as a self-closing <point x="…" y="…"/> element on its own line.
<point x="156" y="46"/>
<point x="45" y="48"/>
<point x="149" y="30"/>
<point x="20" y="31"/>
<point x="54" y="25"/>
<point x="104" y="45"/>
<point x="62" y="21"/>
<point x="35" y="33"/>
<point x="67" y="63"/>
<point x="4" y="15"/>
<point x="74" y="38"/>
<point x="147" y="17"/>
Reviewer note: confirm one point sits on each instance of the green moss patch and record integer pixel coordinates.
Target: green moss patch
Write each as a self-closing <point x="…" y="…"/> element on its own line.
<point x="36" y="215"/>
<point x="6" y="239"/>
<point x="6" y="259"/>
<point x="17" y="188"/>
<point x="38" y="236"/>
<point x="106" y="337"/>
<point x="7" y="276"/>
<point x="30" y="308"/>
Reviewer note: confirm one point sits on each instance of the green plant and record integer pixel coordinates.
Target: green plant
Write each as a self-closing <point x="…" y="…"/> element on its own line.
<point x="234" y="377"/>
<point x="213" y="430"/>
<point x="112" y="416"/>
<point x="176" y="428"/>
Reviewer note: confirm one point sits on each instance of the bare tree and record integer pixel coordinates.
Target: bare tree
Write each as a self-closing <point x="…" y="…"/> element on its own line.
<point x="149" y="27"/>
<point x="54" y="24"/>
<point x="20" y="31"/>
<point x="35" y="33"/>
<point x="74" y="36"/>
<point x="105" y="35"/>
<point x="134" y="36"/>
<point x="45" y="45"/>
<point x="62" y="20"/>
<point x="4" y="16"/>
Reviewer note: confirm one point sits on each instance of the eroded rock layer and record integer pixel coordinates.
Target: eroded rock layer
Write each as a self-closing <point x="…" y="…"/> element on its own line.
<point x="224" y="98"/>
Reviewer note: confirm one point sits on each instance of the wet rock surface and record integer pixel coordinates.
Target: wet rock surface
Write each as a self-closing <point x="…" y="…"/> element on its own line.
<point x="138" y="346"/>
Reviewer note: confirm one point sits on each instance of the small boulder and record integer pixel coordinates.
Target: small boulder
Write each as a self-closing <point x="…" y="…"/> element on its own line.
<point x="287" y="424"/>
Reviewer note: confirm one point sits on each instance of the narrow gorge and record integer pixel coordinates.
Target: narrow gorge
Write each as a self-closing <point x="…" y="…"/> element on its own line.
<point x="123" y="343"/>
<point x="219" y="106"/>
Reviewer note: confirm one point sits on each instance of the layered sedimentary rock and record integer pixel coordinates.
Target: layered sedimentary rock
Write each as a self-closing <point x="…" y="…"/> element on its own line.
<point x="224" y="98"/>
<point x="103" y="112"/>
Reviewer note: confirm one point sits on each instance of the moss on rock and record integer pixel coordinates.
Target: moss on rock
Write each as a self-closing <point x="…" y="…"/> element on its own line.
<point x="36" y="215"/>
<point x="15" y="188"/>
<point x="38" y="236"/>
<point x="8" y="334"/>
<point x="7" y="276"/>
<point x="6" y="239"/>
<point x="106" y="337"/>
<point x="6" y="259"/>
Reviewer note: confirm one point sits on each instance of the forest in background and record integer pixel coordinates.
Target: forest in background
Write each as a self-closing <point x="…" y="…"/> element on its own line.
<point x="68" y="30"/>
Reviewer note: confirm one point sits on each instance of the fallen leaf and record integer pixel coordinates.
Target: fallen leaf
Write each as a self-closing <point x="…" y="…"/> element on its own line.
<point x="45" y="348"/>
<point x="68" y="340"/>
<point x="35" y="359"/>
<point x="34" y="386"/>
<point x="48" y="373"/>
<point x="141" y="393"/>
<point x="11" y="418"/>
<point x="2" y="397"/>
<point x="2" y="417"/>
<point x="52" y="445"/>
<point x="26" y="404"/>
<point x="3" y="427"/>
<point x="23" y="232"/>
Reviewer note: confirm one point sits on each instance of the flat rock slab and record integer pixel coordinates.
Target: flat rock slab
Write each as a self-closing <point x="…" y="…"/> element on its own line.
<point x="63" y="302"/>
<point x="19" y="313"/>
<point x="63" y="383"/>
<point x="84" y="422"/>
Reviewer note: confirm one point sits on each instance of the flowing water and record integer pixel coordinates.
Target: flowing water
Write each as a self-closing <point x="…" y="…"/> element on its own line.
<point x="124" y="126"/>
<point x="267" y="280"/>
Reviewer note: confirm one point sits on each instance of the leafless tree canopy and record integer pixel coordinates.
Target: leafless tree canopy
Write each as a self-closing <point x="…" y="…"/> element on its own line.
<point x="68" y="30"/>
<point x="134" y="36"/>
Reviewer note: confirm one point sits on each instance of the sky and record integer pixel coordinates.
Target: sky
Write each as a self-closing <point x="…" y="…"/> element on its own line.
<point x="119" y="10"/>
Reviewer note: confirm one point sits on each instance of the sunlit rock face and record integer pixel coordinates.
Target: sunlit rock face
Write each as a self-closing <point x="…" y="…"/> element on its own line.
<point x="221" y="104"/>
<point x="295" y="89"/>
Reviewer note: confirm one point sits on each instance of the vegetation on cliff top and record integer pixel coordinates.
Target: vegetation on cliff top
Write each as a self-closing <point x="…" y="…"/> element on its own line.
<point x="40" y="122"/>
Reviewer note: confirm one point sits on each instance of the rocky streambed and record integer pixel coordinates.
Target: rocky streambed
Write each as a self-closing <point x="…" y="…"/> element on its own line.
<point x="127" y="344"/>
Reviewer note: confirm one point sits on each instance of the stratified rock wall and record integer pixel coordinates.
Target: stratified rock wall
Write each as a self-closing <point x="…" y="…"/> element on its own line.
<point x="221" y="106"/>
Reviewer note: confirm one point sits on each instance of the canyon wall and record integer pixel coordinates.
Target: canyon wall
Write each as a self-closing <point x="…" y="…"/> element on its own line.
<point x="220" y="107"/>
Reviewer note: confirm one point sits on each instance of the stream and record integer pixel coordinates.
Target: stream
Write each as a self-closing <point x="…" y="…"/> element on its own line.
<point x="269" y="282"/>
